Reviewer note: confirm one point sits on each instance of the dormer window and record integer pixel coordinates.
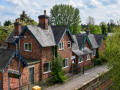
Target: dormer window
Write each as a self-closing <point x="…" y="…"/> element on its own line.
<point x="80" y="60"/>
<point x="88" y="57"/>
<point x="28" y="47"/>
<point x="94" y="52"/>
<point x="69" y="44"/>
<point x="61" y="46"/>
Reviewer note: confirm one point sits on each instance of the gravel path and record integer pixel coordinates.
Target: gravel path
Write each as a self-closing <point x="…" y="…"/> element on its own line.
<point x="81" y="80"/>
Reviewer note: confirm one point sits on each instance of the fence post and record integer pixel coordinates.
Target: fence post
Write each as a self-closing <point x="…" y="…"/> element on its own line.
<point x="0" y="85"/>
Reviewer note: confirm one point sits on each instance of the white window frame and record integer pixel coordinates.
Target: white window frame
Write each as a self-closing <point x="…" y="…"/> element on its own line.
<point x="88" y="57"/>
<point x="69" y="42"/>
<point x="94" y="52"/>
<point x="65" y="63"/>
<point x="26" y="49"/>
<point x="80" y="61"/>
<point x="49" y="68"/>
<point x="62" y="45"/>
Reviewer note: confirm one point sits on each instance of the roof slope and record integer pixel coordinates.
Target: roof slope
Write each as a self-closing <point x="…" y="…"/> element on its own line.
<point x="5" y="55"/>
<point x="99" y="38"/>
<point x="44" y="37"/>
<point x="93" y="40"/>
<point x="10" y="38"/>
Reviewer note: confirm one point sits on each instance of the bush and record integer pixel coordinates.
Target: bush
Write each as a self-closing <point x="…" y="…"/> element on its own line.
<point x="57" y="72"/>
<point x="97" y="61"/>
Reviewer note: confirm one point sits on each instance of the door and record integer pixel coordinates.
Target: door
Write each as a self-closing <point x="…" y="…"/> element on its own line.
<point x="31" y="75"/>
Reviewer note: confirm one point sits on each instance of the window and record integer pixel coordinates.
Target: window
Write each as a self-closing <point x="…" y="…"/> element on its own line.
<point x="88" y="57"/>
<point x="47" y="67"/>
<point x="69" y="44"/>
<point x="27" y="46"/>
<point x="94" y="52"/>
<point x="80" y="59"/>
<point x="61" y="46"/>
<point x="65" y="62"/>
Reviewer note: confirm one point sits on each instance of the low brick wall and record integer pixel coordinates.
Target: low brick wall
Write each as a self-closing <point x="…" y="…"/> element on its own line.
<point x="101" y="81"/>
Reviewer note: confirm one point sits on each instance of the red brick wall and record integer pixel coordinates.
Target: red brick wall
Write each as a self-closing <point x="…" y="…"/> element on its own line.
<point x="66" y="52"/>
<point x="46" y="57"/>
<point x="36" y="51"/>
<point x="25" y="74"/>
<point x="102" y="47"/>
<point x="86" y="62"/>
<point x="10" y="45"/>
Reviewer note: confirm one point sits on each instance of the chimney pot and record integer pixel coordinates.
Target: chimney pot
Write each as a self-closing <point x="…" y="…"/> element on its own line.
<point x="45" y="12"/>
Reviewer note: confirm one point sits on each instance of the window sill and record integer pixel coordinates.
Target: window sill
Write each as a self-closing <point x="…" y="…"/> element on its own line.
<point x="46" y="72"/>
<point x="88" y="59"/>
<point x="28" y="50"/>
<point x="60" y="49"/>
<point x="65" y="67"/>
<point x="80" y="62"/>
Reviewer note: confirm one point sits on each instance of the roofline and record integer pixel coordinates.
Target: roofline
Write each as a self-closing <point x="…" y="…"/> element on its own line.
<point x="86" y="38"/>
<point x="67" y="30"/>
<point x="11" y="58"/>
<point x="23" y="31"/>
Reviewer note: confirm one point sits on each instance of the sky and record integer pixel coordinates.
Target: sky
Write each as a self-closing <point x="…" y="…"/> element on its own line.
<point x="101" y="10"/>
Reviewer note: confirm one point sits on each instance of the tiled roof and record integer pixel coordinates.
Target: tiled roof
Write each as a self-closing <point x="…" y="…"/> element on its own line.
<point x="58" y="32"/>
<point x="10" y="38"/>
<point x="99" y="38"/>
<point x="31" y="61"/>
<point x="44" y="37"/>
<point x="93" y="40"/>
<point x="5" y="55"/>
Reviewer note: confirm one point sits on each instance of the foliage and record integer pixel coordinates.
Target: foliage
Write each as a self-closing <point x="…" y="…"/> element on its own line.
<point x="95" y="29"/>
<point x="26" y="20"/>
<point x="112" y="55"/>
<point x="7" y="23"/>
<point x="103" y="28"/>
<point x="66" y="15"/>
<point x="57" y="72"/>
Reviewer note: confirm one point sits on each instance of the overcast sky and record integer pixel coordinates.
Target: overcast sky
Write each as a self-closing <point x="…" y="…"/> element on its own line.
<point x="101" y="10"/>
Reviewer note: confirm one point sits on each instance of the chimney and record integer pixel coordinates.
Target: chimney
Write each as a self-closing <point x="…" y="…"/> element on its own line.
<point x="18" y="27"/>
<point x="87" y="31"/>
<point x="43" y="21"/>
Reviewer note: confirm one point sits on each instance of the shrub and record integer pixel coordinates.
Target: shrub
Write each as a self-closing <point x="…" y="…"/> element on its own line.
<point x="57" y="72"/>
<point x="97" y="61"/>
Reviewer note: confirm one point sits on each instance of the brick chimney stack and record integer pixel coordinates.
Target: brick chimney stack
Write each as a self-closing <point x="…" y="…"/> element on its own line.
<point x="43" y="21"/>
<point x="18" y="26"/>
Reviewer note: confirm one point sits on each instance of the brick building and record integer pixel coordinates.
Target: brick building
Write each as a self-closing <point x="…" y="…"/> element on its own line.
<point x="27" y="57"/>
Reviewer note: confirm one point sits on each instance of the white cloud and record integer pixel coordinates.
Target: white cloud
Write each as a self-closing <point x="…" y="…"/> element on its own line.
<point x="34" y="8"/>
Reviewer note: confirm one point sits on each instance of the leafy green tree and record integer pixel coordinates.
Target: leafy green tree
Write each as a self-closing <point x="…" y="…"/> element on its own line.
<point x="103" y="28"/>
<point x="26" y="20"/>
<point x="66" y="15"/>
<point x="112" y="55"/>
<point x="109" y="27"/>
<point x="95" y="29"/>
<point x="7" y="23"/>
<point x="57" y="72"/>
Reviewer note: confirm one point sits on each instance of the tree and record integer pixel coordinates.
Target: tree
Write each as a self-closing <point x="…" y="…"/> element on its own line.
<point x="7" y="23"/>
<point x="103" y="28"/>
<point x="65" y="15"/>
<point x="26" y="20"/>
<point x="57" y="72"/>
<point x="95" y="29"/>
<point x="112" y="55"/>
<point x="90" y="20"/>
